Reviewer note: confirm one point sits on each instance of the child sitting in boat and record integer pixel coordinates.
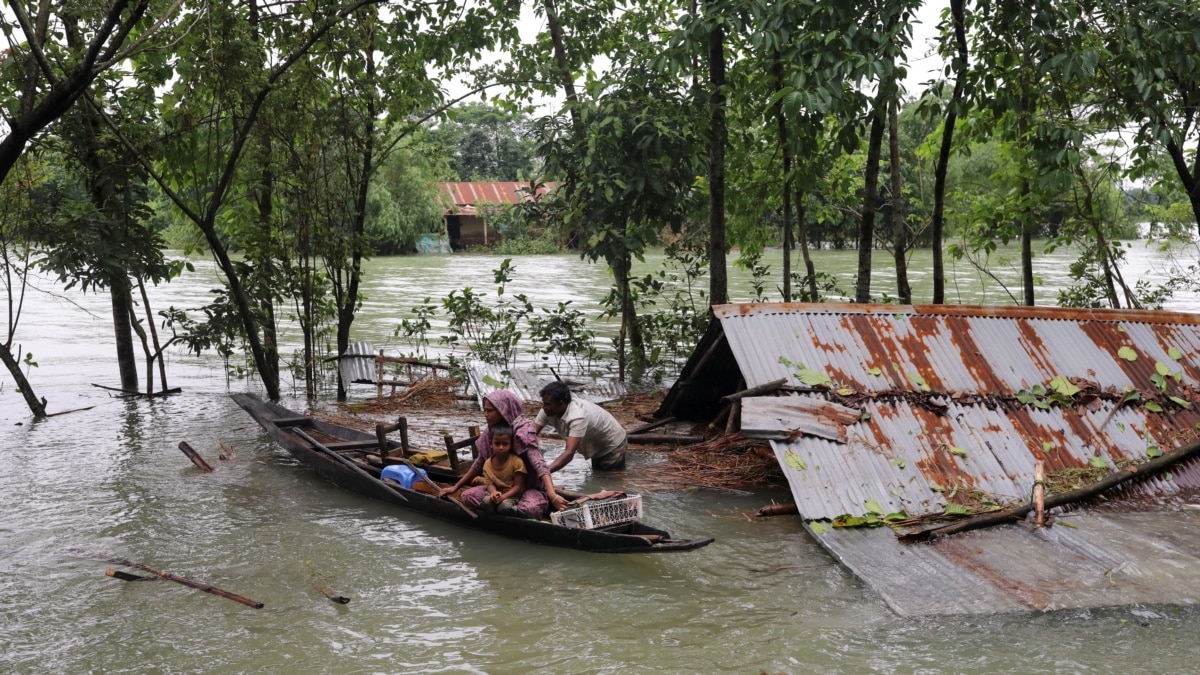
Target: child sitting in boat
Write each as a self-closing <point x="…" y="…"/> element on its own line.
<point x="505" y="474"/>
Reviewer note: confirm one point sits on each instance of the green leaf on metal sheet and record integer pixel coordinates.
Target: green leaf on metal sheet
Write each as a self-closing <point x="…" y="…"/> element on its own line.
<point x="1180" y="402"/>
<point x="919" y="381"/>
<point x="955" y="450"/>
<point x="875" y="371"/>
<point x="1153" y="451"/>
<point x="1174" y="353"/>
<point x="1159" y="381"/>
<point x="1168" y="476"/>
<point x="817" y="528"/>
<point x="1127" y="353"/>
<point x="845" y="391"/>
<point x="1131" y="394"/>
<point x="1039" y="390"/>
<point x="847" y="520"/>
<point x="1097" y="462"/>
<point x="492" y="382"/>
<point x="785" y="361"/>
<point x="812" y="378"/>
<point x="1121" y="426"/>
<point x="1063" y="523"/>
<point x="896" y="492"/>
<point x="1162" y="368"/>
<point x="956" y="510"/>
<point x="864" y="417"/>
<point x="1041" y="405"/>
<point x="936" y="488"/>
<point x="895" y="516"/>
<point x="1026" y="397"/>
<point x="1047" y="446"/>
<point x="1153" y="406"/>
<point x="795" y="461"/>
<point x="898" y="463"/>
<point x="874" y="507"/>
<point x="1064" y="386"/>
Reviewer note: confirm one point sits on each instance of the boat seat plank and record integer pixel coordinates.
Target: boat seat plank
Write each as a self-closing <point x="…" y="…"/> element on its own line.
<point x="352" y="445"/>
<point x="300" y="421"/>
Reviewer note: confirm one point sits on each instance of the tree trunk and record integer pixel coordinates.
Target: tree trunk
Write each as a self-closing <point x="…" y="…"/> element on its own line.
<point x="866" y="233"/>
<point x="158" y="348"/>
<point x="346" y="306"/>
<point x="136" y="325"/>
<point x="1027" y="216"/>
<point x="899" y="232"/>
<point x="629" y="323"/>
<point x="126" y="361"/>
<point x="717" y="275"/>
<point x="810" y="270"/>
<point x="1187" y="176"/>
<point x="937" y="227"/>
<point x="564" y="66"/>
<point x="36" y="406"/>
<point x="787" y="185"/>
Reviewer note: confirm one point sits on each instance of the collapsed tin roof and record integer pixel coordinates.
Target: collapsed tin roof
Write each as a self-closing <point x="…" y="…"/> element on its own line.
<point x="909" y="408"/>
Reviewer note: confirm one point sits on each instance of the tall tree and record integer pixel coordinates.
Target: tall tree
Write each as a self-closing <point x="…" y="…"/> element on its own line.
<point x="45" y="82"/>
<point x="631" y="175"/>
<point x="718" y="273"/>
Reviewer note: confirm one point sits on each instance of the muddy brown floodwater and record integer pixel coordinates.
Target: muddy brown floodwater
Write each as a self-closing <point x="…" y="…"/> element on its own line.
<point x="426" y="596"/>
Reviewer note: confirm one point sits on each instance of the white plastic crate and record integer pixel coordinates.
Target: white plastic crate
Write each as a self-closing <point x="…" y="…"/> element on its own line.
<point x="599" y="513"/>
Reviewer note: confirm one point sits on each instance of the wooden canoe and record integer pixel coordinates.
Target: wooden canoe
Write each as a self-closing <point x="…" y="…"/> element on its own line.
<point x="354" y="472"/>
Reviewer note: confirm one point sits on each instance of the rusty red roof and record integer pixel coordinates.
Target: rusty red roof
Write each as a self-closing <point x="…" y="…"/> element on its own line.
<point x="463" y="198"/>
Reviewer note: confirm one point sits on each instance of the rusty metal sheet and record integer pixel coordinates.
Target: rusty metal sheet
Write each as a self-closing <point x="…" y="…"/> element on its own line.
<point x="788" y="417"/>
<point x="937" y="388"/>
<point x="1104" y="559"/>
<point x="467" y="196"/>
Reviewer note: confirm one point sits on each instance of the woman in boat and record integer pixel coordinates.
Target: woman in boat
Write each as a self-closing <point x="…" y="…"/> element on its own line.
<point x="504" y="408"/>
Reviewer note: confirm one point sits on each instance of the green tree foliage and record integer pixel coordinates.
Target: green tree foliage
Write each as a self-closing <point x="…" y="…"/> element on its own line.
<point x="631" y="175"/>
<point x="485" y="143"/>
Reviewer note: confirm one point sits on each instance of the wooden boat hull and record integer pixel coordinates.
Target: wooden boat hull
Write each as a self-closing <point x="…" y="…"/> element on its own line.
<point x="635" y="537"/>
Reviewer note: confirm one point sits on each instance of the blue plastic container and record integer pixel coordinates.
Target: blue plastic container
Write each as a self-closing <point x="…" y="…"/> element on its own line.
<point x="401" y="474"/>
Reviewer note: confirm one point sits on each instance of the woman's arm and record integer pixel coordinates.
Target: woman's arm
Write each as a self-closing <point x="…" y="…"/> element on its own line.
<point x="465" y="480"/>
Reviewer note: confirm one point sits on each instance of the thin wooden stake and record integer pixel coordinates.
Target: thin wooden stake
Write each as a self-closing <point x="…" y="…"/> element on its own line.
<point x="1039" y="493"/>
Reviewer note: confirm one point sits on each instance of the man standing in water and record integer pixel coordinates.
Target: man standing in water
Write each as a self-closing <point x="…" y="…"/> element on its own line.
<point x="586" y="427"/>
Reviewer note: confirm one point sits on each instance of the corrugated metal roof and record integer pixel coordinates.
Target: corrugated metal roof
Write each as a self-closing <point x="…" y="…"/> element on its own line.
<point x="486" y="378"/>
<point x="464" y="197"/>
<point x="973" y="362"/>
<point x="1102" y="560"/>
<point x="946" y="403"/>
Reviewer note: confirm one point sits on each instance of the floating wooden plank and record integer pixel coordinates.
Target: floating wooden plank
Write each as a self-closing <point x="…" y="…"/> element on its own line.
<point x="195" y="457"/>
<point x="789" y="417"/>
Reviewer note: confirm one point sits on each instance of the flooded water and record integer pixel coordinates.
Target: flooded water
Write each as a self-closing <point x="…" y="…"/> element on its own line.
<point x="429" y="596"/>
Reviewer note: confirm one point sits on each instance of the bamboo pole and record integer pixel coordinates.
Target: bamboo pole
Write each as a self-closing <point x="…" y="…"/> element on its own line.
<point x="198" y="585"/>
